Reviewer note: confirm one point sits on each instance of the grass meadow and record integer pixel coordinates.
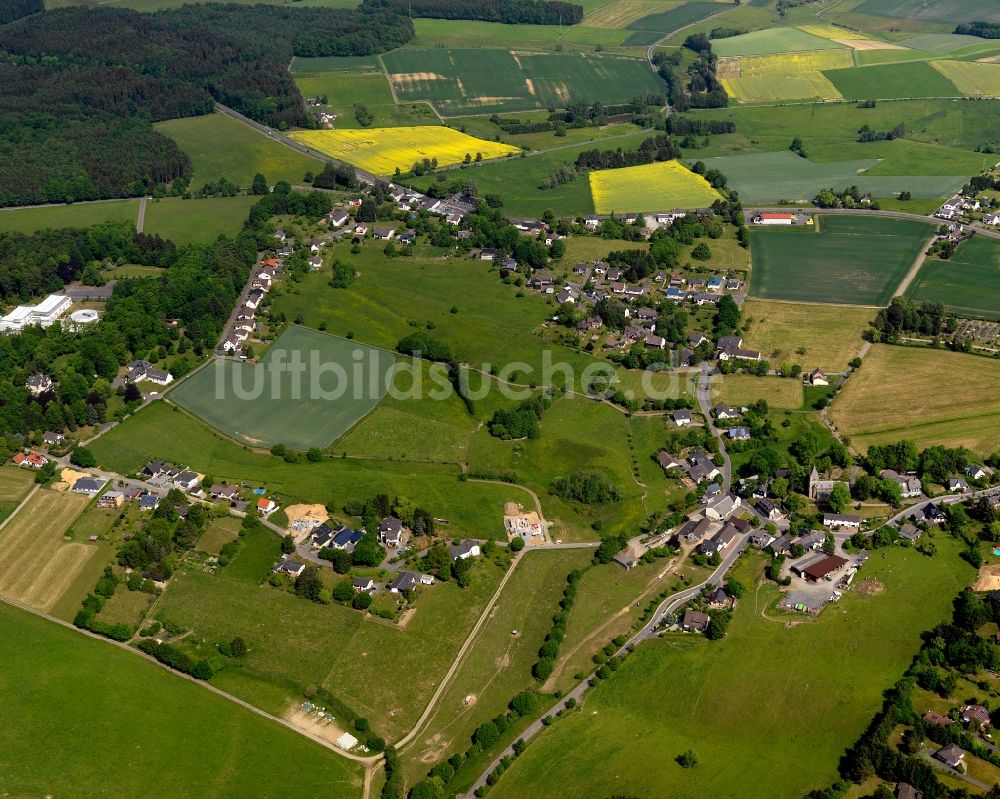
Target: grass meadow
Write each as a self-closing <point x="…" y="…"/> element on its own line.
<point x="152" y="723"/>
<point x="971" y="78"/>
<point x="220" y="146"/>
<point x="944" y="11"/>
<point x="650" y="187"/>
<point x="924" y="395"/>
<point x="848" y="260"/>
<point x="773" y="40"/>
<point x="333" y="63"/>
<point x="652" y="27"/>
<point x="968" y="284"/>
<point x="371" y="89"/>
<point x="341" y="382"/>
<point x="482" y="81"/>
<point x="383" y="150"/>
<point x="886" y="81"/>
<point x="28" y="220"/>
<point x="779" y="392"/>
<point x="656" y="706"/>
<point x="197" y="221"/>
<point x="827" y="337"/>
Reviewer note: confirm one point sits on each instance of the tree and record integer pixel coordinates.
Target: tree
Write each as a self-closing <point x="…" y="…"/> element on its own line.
<point x="259" y="185"/>
<point x="525" y="703"/>
<point x="287" y="545"/>
<point x="516" y="544"/>
<point x="83" y="457"/>
<point x="362" y="600"/>
<point x="343" y="591"/>
<point x="687" y="759"/>
<point x="701" y="252"/>
<point x="238" y="647"/>
<point x="840" y="497"/>
<point x="486" y="735"/>
<point x="310" y="585"/>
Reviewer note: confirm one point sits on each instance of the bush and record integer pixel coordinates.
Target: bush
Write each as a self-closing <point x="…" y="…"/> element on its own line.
<point x="516" y="544"/>
<point x="343" y="591"/>
<point x="362" y="601"/>
<point x="83" y="457"/>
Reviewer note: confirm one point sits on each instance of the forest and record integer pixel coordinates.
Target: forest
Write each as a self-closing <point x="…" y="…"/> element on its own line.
<point x="510" y="12"/>
<point x="83" y="85"/>
<point x="15" y="9"/>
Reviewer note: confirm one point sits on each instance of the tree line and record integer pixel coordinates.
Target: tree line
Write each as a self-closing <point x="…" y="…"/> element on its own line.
<point x="15" y="9"/>
<point x="510" y="12"/>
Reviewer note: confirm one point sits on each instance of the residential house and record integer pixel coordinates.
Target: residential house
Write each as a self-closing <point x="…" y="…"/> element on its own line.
<point x="909" y="484"/>
<point x="721" y="541"/>
<point x="694" y="530"/>
<point x="957" y="485"/>
<point x="591" y="223"/>
<point x="487" y="254"/>
<point x="714" y="283"/>
<point x="322" y="536"/>
<point x="719" y="599"/>
<point x="265" y="507"/>
<point x="817" y="377"/>
<point x="975" y="715"/>
<point x="761" y="539"/>
<point x="291" y="568"/>
<point x="909" y="532"/>
<point x="361" y="229"/>
<point x="187" y="481"/>
<point x="694" y="621"/>
<point x="384" y="233"/>
<point x="49" y="438"/>
<point x="738" y="354"/>
<point x="721" y="507"/>
<point x="738" y="433"/>
<point x="337" y="217"/>
<point x="696" y="339"/>
<point x="768" y="510"/>
<point x="541" y="279"/>
<point x="820" y="490"/>
<point x="734" y="284"/>
<point x="933" y="717"/>
<point x="654" y="342"/>
<point x="363" y="585"/>
<point x="952" y="756"/>
<point x="144" y="370"/>
<point x="668" y="461"/>
<point x="631" y="555"/>
<point x="931" y="513"/>
<point x="976" y="472"/>
<point x="392" y="533"/>
<point x="701" y="467"/>
<point x="254" y="299"/>
<point x="406" y="581"/>
<point x="837" y="520"/>
<point x="408" y="237"/>
<point x="782" y="545"/>
<point x="315" y="264"/>
<point x="346" y="539"/>
<point x="906" y="791"/>
<point x="149" y="502"/>
<point x="229" y="493"/>
<point x="29" y="460"/>
<point x="711" y="493"/>
<point x="812" y="541"/>
<point x="38" y="384"/>
<point x="111" y="499"/>
<point x="723" y="412"/>
<point x="88" y="485"/>
<point x="730" y="343"/>
<point x="467" y="549"/>
<point x="682" y="417"/>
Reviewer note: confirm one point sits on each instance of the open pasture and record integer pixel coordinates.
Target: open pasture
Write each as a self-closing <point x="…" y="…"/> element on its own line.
<point x="773" y="40"/>
<point x="343" y="91"/>
<point x="465" y="33"/>
<point x="944" y="11"/>
<point x="840" y="663"/>
<point x="888" y="81"/>
<point x="967" y="284"/>
<point x="36" y="565"/>
<point x="383" y="150"/>
<point x="28" y="220"/>
<point x="844" y="259"/>
<point x="261" y="404"/>
<point x="172" y="727"/>
<point x="481" y="81"/>
<point x="925" y="395"/>
<point x="650" y="187"/>
<point x="739" y="390"/>
<point x="333" y="63"/>
<point x="197" y="221"/>
<point x="941" y="42"/>
<point x="220" y="146"/>
<point x="972" y="78"/>
<point x="813" y="336"/>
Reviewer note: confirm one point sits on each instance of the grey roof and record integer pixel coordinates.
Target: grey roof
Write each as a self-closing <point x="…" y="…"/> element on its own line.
<point x="88" y="485"/>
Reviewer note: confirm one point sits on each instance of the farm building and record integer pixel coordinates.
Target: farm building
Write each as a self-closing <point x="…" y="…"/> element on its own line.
<point x="823" y="568"/>
<point x="773" y="219"/>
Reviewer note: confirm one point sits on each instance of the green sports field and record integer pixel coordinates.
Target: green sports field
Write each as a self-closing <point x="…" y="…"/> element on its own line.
<point x="482" y="80"/>
<point x="887" y="81"/>
<point x="854" y="260"/>
<point x="220" y="146"/>
<point x="772" y="40"/>
<point x="782" y="175"/>
<point x="340" y="382"/>
<point x="718" y="698"/>
<point x="28" y="220"/>
<point x="967" y="284"/>
<point x="151" y="723"/>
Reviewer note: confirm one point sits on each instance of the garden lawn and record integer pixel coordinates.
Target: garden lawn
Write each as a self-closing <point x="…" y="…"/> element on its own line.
<point x="77" y="215"/>
<point x="887" y="81"/>
<point x="849" y="260"/>
<point x="220" y="146"/>
<point x="655" y="707"/>
<point x="340" y="383"/>
<point x="165" y="724"/>
<point x="923" y="395"/>
<point x="650" y="187"/>
<point x="474" y="509"/>
<point x="830" y="335"/>
<point x="197" y="221"/>
<point x="968" y="284"/>
<point x="384" y="150"/>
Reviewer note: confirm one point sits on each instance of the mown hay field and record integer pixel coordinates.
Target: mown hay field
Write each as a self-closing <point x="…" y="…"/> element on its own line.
<point x="814" y="336"/>
<point x="831" y="32"/>
<point x="772" y="40"/>
<point x="382" y="150"/>
<point x="778" y="392"/>
<point x="968" y="284"/>
<point x="851" y="260"/>
<point x="650" y="187"/>
<point x="37" y="566"/>
<point x="971" y="78"/>
<point x="463" y="80"/>
<point x="924" y="395"/>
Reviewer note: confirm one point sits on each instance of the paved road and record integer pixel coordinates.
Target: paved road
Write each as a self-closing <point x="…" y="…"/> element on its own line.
<point x="705" y="403"/>
<point x="230" y="325"/>
<point x="141" y="219"/>
<point x="751" y="212"/>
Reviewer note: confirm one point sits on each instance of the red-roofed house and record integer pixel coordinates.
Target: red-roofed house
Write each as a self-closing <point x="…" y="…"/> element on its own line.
<point x="773" y="219"/>
<point x="266" y="506"/>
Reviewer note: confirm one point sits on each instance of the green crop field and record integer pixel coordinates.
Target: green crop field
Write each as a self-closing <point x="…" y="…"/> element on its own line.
<point x="481" y="80"/>
<point x="971" y="78"/>
<point x="652" y="27"/>
<point x="339" y="383"/>
<point x="765" y="88"/>
<point x="197" y="221"/>
<point x="947" y="11"/>
<point x="773" y="40"/>
<point x="782" y="175"/>
<point x="345" y="90"/>
<point x="333" y="63"/>
<point x="650" y="187"/>
<point x="968" y="284"/>
<point x="655" y="707"/>
<point x="813" y="336"/>
<point x="885" y="81"/>
<point x="940" y="42"/>
<point x="28" y="220"/>
<point x="220" y="146"/>
<point x="160" y="432"/>
<point x="848" y="259"/>
<point x="466" y="33"/>
<point x="165" y="724"/>
<point x="910" y="393"/>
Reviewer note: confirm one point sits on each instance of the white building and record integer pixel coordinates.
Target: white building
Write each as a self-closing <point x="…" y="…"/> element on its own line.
<point x="44" y="314"/>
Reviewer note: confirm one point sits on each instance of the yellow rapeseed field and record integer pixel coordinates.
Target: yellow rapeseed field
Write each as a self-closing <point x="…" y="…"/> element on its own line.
<point x="382" y="150"/>
<point x="650" y="187"/>
<point x="794" y="63"/>
<point x="831" y="32"/>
